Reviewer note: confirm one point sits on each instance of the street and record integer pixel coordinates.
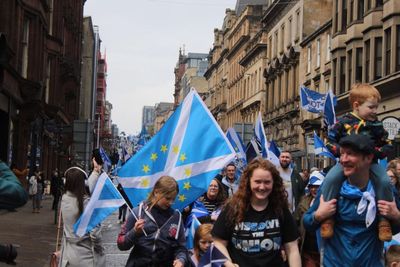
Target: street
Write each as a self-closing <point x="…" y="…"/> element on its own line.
<point x="36" y="235"/>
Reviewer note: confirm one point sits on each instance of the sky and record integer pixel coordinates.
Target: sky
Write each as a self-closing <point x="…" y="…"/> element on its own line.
<point x="141" y="39"/>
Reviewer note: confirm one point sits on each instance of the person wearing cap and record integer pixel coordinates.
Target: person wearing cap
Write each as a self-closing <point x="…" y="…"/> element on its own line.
<point x="355" y="242"/>
<point x="364" y="100"/>
<point x="308" y="240"/>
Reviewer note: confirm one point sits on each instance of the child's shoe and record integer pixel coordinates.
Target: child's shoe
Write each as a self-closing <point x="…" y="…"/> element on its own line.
<point x="327" y="228"/>
<point x="385" y="230"/>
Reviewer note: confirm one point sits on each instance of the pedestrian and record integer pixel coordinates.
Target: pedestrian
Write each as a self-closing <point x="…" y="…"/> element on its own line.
<point x="56" y="188"/>
<point x="75" y="250"/>
<point x="202" y="241"/>
<point x="308" y="241"/>
<point x="35" y="191"/>
<point x="256" y="222"/>
<point x="292" y="181"/>
<point x="364" y="100"/>
<point x="123" y="208"/>
<point x="12" y="193"/>
<point x="230" y="182"/>
<point x="355" y="242"/>
<point x="97" y="162"/>
<point x="155" y="231"/>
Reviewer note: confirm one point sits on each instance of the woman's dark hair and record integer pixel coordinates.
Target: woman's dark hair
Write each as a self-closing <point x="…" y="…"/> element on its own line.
<point x="75" y="183"/>
<point x="239" y="204"/>
<point x="97" y="156"/>
<point x="221" y="196"/>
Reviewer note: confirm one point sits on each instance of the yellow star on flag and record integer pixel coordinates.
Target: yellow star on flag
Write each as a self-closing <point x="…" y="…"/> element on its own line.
<point x="182" y="157"/>
<point x="188" y="172"/>
<point x="164" y="148"/>
<point x="181" y="198"/>
<point x="187" y="185"/>
<point x="154" y="156"/>
<point x="175" y="149"/>
<point x="146" y="168"/>
<point x="145" y="182"/>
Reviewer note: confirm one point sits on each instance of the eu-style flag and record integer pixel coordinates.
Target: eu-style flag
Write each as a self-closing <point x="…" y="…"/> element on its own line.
<point x="212" y="258"/>
<point x="329" y="110"/>
<point x="261" y="138"/>
<point x="190" y="147"/>
<point x="321" y="149"/>
<point x="104" y="200"/>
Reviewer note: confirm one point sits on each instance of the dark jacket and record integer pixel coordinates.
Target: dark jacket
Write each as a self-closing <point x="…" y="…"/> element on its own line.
<point x="350" y="123"/>
<point x="162" y="245"/>
<point x="298" y="186"/>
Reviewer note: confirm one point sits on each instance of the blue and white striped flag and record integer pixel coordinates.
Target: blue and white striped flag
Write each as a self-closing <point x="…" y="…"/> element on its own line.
<point x="212" y="258"/>
<point x="237" y="143"/>
<point x="190" y="147"/>
<point x="190" y="231"/>
<point x="105" y="200"/>
<point x="321" y="149"/>
<point x="260" y="135"/>
<point x="107" y="162"/>
<point x="329" y="110"/>
<point x="311" y="101"/>
<point x="273" y="147"/>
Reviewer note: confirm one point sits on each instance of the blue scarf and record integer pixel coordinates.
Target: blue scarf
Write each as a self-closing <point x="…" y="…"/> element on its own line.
<point x="367" y="200"/>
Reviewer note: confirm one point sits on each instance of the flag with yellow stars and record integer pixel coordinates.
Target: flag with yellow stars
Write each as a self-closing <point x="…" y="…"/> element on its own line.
<point x="190" y="147"/>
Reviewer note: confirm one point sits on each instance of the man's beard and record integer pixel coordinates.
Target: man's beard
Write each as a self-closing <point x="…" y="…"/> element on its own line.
<point x="284" y="165"/>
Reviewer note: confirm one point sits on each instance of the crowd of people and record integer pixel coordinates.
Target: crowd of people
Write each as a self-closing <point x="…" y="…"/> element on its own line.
<point x="347" y="214"/>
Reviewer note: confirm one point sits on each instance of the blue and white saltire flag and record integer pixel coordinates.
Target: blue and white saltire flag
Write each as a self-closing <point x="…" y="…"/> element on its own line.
<point x="125" y="154"/>
<point x="190" y="231"/>
<point x="198" y="210"/>
<point x="260" y="135"/>
<point x="237" y="143"/>
<point x="273" y="147"/>
<point x="117" y="167"/>
<point x="329" y="110"/>
<point x="312" y="101"/>
<point x="321" y="149"/>
<point x="107" y="162"/>
<point x="190" y="147"/>
<point x="105" y="200"/>
<point x="212" y="258"/>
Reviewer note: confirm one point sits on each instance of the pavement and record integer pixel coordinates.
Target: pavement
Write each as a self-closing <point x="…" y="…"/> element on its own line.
<point x="36" y="234"/>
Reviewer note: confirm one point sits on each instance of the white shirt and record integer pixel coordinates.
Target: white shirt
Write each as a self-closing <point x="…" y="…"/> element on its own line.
<point x="286" y="175"/>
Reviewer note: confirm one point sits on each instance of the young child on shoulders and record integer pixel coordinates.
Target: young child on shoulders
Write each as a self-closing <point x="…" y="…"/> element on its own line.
<point x="364" y="100"/>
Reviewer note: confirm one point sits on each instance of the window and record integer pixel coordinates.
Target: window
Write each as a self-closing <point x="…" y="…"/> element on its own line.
<point x="51" y="14"/>
<point x="360" y="11"/>
<point x="290" y="37"/>
<point x="298" y="25"/>
<point x="328" y="47"/>
<point x="359" y="68"/>
<point x="344" y="15"/>
<point x="350" y="68"/>
<point x="318" y="53"/>
<point x="334" y="76"/>
<point x="48" y="72"/>
<point x="378" y="58"/>
<point x="25" y="49"/>
<point x="368" y="5"/>
<point x="379" y="3"/>
<point x="281" y="47"/>
<point x="309" y="59"/>
<point x="351" y="10"/>
<point x="397" y="47"/>
<point x="327" y="87"/>
<point x="336" y="25"/>
<point x="388" y="52"/>
<point x="276" y="44"/>
<point x="367" y="59"/>
<point x="342" y="77"/>
<point x="270" y="48"/>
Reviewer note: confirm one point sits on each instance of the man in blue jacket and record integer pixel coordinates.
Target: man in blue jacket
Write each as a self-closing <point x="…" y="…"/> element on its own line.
<point x="355" y="242"/>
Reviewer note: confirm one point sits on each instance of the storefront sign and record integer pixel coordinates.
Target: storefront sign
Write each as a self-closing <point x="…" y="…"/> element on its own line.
<point x="391" y="125"/>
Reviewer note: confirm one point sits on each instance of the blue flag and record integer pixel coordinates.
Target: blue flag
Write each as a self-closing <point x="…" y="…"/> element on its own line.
<point x="190" y="147"/>
<point x="198" y="210"/>
<point x="191" y="230"/>
<point x="312" y="101"/>
<point x="321" y="149"/>
<point x="329" y="110"/>
<point x="106" y="159"/>
<point x="237" y="143"/>
<point x="273" y="147"/>
<point x="261" y="138"/>
<point x="105" y="200"/>
<point x="212" y="258"/>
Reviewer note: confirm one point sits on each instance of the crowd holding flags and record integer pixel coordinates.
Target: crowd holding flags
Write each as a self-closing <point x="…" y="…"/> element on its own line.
<point x="179" y="150"/>
<point x="262" y="139"/>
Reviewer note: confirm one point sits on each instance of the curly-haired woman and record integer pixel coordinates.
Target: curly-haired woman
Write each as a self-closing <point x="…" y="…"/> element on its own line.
<point x="256" y="222"/>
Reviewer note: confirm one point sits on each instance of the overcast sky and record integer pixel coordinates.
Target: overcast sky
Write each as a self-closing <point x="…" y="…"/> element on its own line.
<point x="142" y="40"/>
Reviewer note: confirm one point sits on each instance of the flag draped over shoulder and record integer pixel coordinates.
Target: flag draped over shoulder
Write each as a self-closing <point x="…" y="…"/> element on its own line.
<point x="261" y="138"/>
<point x="190" y="147"/>
<point x="212" y="258"/>
<point x="105" y="200"/>
<point x="321" y="149"/>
